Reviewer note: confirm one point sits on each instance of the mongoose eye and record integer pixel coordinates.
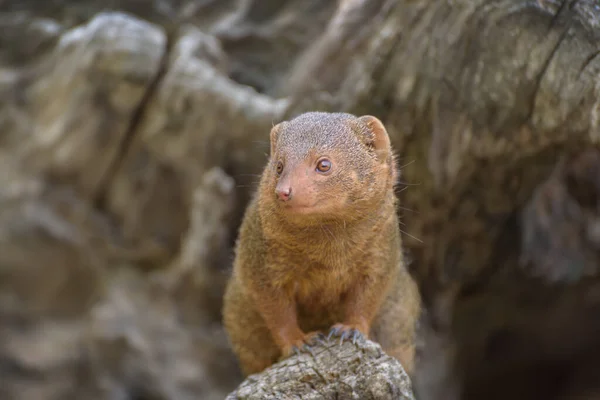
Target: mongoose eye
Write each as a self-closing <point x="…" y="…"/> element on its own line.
<point x="279" y="168"/>
<point x="323" y="165"/>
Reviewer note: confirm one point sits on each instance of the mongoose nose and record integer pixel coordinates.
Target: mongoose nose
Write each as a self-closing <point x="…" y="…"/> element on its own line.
<point x="284" y="194"/>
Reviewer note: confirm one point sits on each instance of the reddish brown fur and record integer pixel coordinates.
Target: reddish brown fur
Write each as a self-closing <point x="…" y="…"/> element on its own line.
<point x="331" y="254"/>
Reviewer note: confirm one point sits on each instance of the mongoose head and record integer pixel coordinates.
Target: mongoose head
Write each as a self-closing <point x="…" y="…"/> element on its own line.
<point x="329" y="165"/>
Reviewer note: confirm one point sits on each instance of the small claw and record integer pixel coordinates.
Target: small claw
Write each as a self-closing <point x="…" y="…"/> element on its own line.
<point x="314" y="339"/>
<point x="308" y="349"/>
<point x="318" y="338"/>
<point x="333" y="332"/>
<point x="345" y="335"/>
<point x="296" y="350"/>
<point x="357" y="335"/>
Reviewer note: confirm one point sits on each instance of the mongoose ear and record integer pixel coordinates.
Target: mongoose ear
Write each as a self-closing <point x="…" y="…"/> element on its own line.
<point x="273" y="136"/>
<point x="380" y="141"/>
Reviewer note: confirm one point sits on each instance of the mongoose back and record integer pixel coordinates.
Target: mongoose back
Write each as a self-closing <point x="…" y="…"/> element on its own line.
<point x="319" y="248"/>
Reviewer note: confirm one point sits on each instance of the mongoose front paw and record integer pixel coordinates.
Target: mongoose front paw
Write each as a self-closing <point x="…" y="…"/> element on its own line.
<point x="303" y="344"/>
<point x="346" y="332"/>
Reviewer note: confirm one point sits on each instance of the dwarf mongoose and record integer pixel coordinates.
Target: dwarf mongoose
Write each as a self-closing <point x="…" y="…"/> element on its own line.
<point x="319" y="248"/>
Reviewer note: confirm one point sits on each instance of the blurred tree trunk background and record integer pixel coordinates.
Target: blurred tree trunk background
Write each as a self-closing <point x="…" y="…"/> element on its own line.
<point x="132" y="134"/>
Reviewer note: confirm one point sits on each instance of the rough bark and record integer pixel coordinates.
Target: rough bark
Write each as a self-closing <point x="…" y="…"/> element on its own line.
<point x="131" y="134"/>
<point x="331" y="371"/>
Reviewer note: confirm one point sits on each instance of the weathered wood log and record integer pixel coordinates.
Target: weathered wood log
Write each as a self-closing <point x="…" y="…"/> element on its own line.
<point x="332" y="370"/>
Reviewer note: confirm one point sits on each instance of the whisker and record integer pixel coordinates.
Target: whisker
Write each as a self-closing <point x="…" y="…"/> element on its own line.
<point x="258" y="144"/>
<point x="408" y="184"/>
<point x="408" y="234"/>
<point x="249" y="185"/>
<point x="407" y="164"/>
